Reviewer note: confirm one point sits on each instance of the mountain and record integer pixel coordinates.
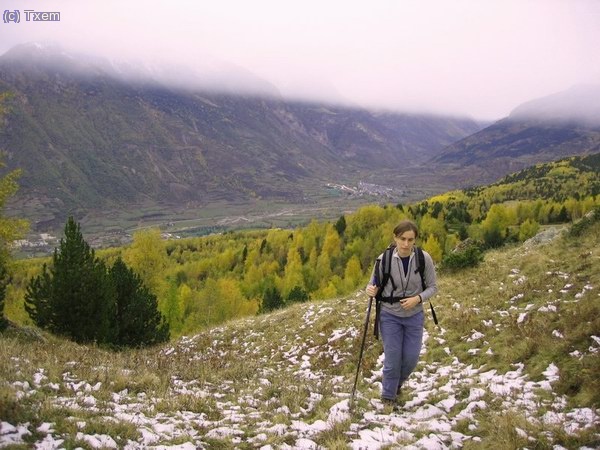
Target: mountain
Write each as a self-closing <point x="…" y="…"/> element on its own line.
<point x="578" y="105"/>
<point x="89" y="134"/>
<point x="546" y="129"/>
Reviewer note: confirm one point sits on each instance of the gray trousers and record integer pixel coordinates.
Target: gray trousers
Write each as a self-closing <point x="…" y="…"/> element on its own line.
<point x="402" y="340"/>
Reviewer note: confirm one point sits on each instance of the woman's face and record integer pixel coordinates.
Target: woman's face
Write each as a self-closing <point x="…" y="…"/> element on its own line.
<point x="405" y="242"/>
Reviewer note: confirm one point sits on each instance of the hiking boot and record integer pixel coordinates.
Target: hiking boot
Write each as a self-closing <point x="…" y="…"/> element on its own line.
<point x="399" y="399"/>
<point x="387" y="402"/>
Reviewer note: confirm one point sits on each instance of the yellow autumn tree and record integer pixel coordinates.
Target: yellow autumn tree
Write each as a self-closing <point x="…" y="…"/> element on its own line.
<point x="323" y="267"/>
<point x="494" y="226"/>
<point x="148" y="258"/>
<point x="431" y="226"/>
<point x="353" y="275"/>
<point x="528" y="229"/>
<point x="433" y="247"/>
<point x="332" y="243"/>
<point x="292" y="275"/>
<point x="452" y="241"/>
<point x="230" y="303"/>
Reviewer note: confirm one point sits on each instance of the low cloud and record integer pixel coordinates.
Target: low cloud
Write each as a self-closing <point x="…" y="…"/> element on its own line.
<point x="463" y="57"/>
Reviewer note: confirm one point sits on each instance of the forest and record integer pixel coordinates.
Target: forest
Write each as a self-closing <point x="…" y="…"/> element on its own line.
<point x="204" y="281"/>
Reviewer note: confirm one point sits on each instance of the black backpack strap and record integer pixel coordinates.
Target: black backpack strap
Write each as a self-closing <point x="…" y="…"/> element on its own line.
<point x="386" y="262"/>
<point x="421" y="270"/>
<point x="377" y="298"/>
<point x="386" y="265"/>
<point x="421" y="265"/>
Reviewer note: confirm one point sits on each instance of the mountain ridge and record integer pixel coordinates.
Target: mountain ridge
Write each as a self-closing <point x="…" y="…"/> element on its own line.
<point x="542" y="130"/>
<point x="84" y="137"/>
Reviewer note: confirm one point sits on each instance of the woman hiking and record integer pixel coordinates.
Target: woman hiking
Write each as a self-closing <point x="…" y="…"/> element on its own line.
<point x="401" y="301"/>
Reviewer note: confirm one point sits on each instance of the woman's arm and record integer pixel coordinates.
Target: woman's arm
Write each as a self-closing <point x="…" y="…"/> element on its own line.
<point x="430" y="279"/>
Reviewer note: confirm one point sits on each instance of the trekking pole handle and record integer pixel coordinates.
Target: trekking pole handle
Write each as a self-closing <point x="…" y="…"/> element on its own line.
<point x="374" y="283"/>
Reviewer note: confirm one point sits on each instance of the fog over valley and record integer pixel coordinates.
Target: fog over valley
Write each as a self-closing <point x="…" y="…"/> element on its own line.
<point x="460" y="58"/>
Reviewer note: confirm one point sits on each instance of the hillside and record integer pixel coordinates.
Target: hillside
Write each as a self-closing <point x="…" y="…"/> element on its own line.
<point x="542" y="130"/>
<point x="578" y="176"/>
<point x="513" y="365"/>
<point x="90" y="139"/>
<point x="554" y="183"/>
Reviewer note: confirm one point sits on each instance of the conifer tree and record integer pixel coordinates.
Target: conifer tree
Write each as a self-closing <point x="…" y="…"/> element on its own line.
<point x="340" y="225"/>
<point x="38" y="299"/>
<point x="74" y="297"/>
<point x="298" y="294"/>
<point x="271" y="300"/>
<point x="139" y="321"/>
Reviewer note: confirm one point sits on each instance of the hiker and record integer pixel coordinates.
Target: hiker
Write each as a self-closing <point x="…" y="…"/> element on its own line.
<point x="400" y="306"/>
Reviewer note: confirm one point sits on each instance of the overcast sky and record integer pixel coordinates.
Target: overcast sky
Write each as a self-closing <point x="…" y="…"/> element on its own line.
<point x="479" y="58"/>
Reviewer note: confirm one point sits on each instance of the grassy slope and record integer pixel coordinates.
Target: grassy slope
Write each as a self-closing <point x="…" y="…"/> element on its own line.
<point x="263" y="380"/>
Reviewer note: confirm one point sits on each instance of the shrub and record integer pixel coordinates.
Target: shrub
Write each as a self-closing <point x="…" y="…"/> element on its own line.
<point x="469" y="257"/>
<point x="3" y="282"/>
<point x="590" y="218"/>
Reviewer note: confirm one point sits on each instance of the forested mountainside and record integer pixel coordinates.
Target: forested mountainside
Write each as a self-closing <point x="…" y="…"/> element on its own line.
<point x="542" y="130"/>
<point x="84" y="136"/>
<point x="204" y="281"/>
<point x="573" y="178"/>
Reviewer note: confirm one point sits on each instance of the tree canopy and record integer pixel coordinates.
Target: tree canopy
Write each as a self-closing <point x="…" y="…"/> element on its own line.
<point x="76" y="296"/>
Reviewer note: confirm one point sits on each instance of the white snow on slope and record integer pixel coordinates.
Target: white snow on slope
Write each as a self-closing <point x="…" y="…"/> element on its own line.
<point x="439" y="399"/>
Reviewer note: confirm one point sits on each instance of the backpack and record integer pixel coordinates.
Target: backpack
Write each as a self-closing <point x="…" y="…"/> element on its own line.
<point x="386" y="264"/>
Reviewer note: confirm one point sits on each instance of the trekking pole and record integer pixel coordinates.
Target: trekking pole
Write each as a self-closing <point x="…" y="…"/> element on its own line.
<point x="362" y="347"/>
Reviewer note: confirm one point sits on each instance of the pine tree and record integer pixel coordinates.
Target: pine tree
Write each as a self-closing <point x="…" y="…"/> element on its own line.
<point x="298" y="294"/>
<point x="271" y="300"/>
<point x="138" y="319"/>
<point x="74" y="297"/>
<point x="38" y="298"/>
<point x="340" y="225"/>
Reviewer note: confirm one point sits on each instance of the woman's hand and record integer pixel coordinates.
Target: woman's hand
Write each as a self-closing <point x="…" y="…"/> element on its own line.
<point x="410" y="302"/>
<point x="372" y="290"/>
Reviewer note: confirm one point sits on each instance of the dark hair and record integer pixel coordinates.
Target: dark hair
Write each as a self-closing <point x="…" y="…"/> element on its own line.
<point x="404" y="226"/>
